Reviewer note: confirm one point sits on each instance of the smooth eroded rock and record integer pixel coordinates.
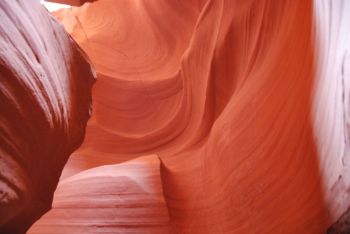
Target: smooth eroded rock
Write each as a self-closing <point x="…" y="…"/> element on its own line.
<point x="45" y="96"/>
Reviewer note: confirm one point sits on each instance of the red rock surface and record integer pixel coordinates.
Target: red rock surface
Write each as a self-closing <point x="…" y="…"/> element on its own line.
<point x="242" y="105"/>
<point x="45" y="96"/>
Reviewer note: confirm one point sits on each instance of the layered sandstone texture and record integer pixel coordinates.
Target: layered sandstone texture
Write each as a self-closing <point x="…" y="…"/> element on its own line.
<point x="210" y="116"/>
<point x="245" y="103"/>
<point x="45" y="102"/>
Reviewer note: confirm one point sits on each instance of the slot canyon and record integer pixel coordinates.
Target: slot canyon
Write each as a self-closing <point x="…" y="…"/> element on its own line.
<point x="175" y="116"/>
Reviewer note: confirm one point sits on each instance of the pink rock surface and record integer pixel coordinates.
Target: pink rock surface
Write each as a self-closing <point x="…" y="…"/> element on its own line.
<point x="122" y="198"/>
<point x="242" y="105"/>
<point x="45" y="95"/>
<point x="245" y="103"/>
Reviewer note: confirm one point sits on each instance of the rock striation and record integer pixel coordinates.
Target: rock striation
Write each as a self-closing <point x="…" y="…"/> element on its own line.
<point x="121" y="198"/>
<point x="245" y="103"/>
<point x="45" y="96"/>
<point x="210" y="116"/>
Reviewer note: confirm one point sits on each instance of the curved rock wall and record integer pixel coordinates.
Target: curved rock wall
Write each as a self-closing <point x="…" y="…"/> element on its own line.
<point x="244" y="104"/>
<point x="45" y="96"/>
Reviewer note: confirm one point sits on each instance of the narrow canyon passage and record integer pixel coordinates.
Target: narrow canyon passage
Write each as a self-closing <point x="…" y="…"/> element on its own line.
<point x="207" y="116"/>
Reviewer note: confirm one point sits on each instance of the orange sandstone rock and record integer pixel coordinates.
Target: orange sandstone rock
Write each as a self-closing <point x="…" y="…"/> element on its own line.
<point x="244" y="104"/>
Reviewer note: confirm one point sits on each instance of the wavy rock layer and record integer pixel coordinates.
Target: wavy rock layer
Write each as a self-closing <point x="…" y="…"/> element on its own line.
<point x="138" y="102"/>
<point x="123" y="198"/>
<point x="244" y="102"/>
<point x="45" y="95"/>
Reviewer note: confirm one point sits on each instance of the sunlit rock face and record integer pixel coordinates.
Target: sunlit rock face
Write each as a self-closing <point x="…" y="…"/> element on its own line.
<point x="213" y="116"/>
<point x="45" y="95"/>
